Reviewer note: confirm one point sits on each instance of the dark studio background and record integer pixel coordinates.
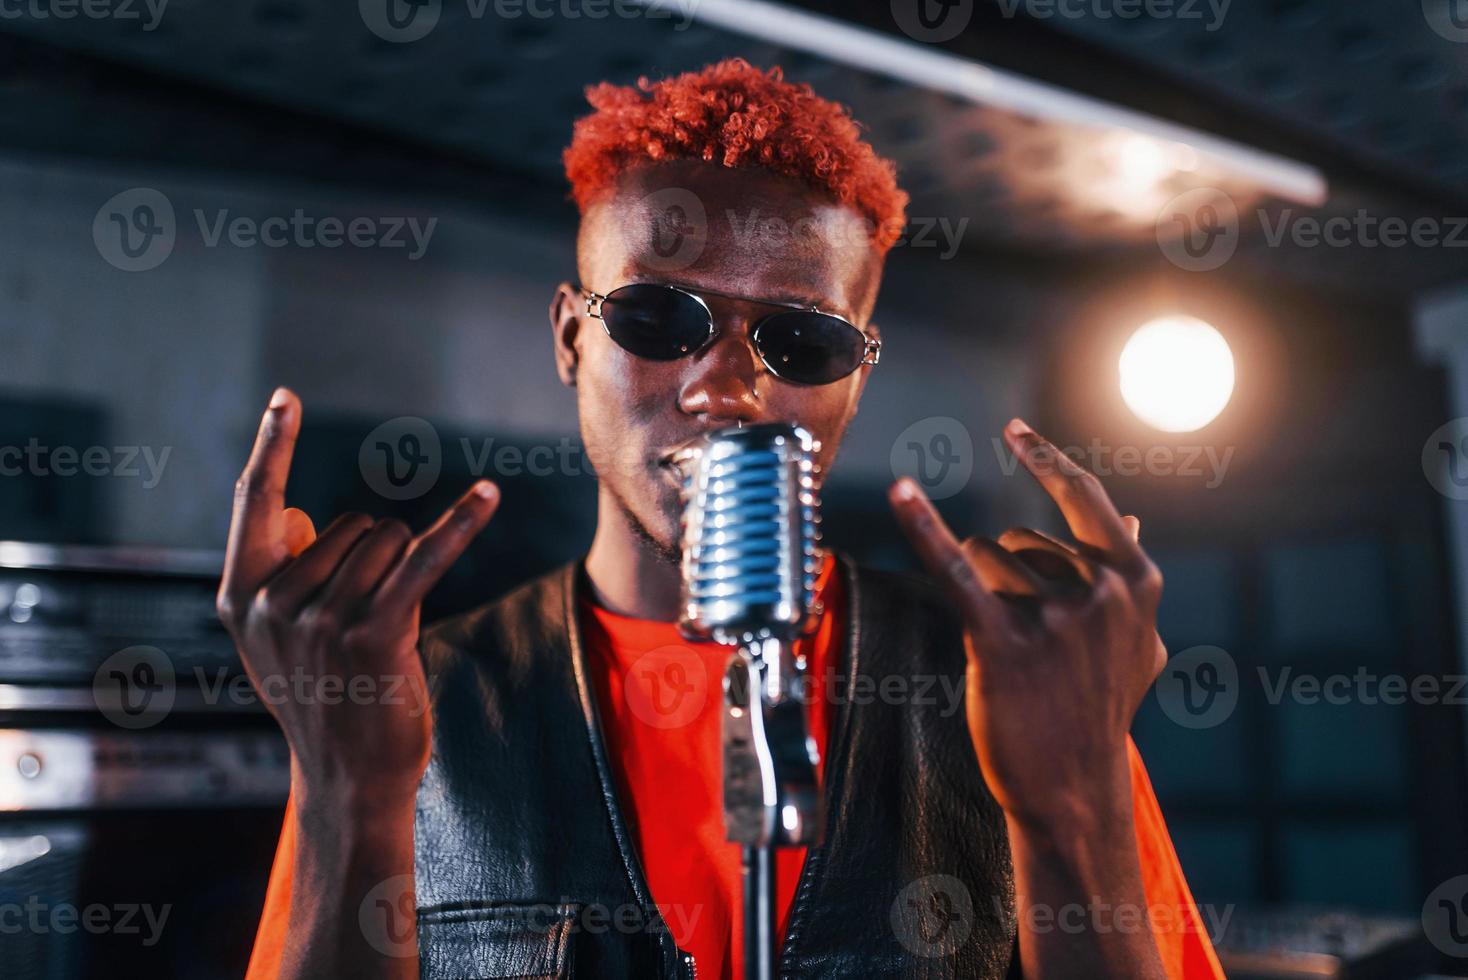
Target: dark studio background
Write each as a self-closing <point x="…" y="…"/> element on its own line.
<point x="1324" y="548"/>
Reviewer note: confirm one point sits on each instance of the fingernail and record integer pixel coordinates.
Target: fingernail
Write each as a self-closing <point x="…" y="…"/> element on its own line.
<point x="1017" y="427"/>
<point x="906" y="489"/>
<point x="281" y="398"/>
<point x="485" y="489"/>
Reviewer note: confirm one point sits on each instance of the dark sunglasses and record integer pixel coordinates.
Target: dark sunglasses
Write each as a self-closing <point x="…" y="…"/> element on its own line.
<point x="664" y="323"/>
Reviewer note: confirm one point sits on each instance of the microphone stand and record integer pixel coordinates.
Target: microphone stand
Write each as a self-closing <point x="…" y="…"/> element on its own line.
<point x="770" y="795"/>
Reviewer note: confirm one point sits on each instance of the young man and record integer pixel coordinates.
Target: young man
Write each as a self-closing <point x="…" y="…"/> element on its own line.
<point x="557" y="811"/>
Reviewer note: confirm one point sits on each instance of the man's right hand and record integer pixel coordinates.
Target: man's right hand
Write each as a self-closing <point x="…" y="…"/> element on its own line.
<point x="343" y="605"/>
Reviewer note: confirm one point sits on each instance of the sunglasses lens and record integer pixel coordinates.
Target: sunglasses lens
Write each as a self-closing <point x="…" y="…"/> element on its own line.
<point x="655" y="322"/>
<point x="810" y="348"/>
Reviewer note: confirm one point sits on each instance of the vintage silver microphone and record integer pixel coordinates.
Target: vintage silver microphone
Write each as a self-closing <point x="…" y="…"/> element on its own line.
<point x="751" y="555"/>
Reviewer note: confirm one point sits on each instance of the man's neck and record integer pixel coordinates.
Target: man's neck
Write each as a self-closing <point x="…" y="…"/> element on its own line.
<point x="628" y="575"/>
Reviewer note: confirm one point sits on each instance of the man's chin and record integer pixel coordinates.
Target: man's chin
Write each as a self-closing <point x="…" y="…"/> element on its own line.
<point x="667" y="533"/>
<point x="657" y="521"/>
<point x="660" y="531"/>
<point x="667" y="547"/>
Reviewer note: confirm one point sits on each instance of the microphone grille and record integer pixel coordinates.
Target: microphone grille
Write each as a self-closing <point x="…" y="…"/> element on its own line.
<point x="751" y="532"/>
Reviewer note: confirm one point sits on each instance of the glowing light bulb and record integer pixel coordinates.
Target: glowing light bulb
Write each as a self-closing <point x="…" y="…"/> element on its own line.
<point x="1143" y="161"/>
<point x="1177" y="373"/>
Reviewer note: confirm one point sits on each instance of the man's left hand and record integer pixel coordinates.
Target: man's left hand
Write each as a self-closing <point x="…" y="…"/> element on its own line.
<point x="1061" y="639"/>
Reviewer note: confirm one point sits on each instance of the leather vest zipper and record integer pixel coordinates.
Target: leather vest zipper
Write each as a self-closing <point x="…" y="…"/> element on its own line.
<point x="834" y="778"/>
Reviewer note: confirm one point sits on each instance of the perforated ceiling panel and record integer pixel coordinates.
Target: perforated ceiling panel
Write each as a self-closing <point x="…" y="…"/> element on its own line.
<point x="1389" y="78"/>
<point x="500" y="92"/>
<point x="506" y="90"/>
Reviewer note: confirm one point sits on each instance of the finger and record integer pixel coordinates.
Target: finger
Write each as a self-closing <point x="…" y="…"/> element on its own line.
<point x="1134" y="526"/>
<point x="1052" y="560"/>
<point x="299" y="531"/>
<point x="257" y="544"/>
<point x="1087" y="509"/>
<point x="1000" y="571"/>
<point x="363" y="569"/>
<point x="436" y="549"/>
<point x="299" y="581"/>
<point x="944" y="557"/>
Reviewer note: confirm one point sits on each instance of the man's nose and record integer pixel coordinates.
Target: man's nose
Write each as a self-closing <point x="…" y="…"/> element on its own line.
<point x="723" y="379"/>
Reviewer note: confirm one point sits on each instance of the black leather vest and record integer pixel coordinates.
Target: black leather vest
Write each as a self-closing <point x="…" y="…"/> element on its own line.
<point x="525" y="866"/>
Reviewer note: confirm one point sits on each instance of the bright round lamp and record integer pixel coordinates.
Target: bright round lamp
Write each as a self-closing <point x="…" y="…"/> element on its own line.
<point x="1177" y="373"/>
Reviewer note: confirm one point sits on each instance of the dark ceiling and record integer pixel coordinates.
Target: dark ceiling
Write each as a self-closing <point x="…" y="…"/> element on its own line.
<point x="1375" y="78"/>
<point x="1374" y="94"/>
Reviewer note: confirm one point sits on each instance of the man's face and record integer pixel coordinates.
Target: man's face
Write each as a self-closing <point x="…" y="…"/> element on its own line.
<point x="764" y="239"/>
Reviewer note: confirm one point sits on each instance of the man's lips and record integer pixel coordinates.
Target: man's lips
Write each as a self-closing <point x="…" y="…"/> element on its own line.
<point x="669" y="457"/>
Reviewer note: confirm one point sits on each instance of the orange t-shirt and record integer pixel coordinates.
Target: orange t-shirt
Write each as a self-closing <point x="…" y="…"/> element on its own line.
<point x="660" y="701"/>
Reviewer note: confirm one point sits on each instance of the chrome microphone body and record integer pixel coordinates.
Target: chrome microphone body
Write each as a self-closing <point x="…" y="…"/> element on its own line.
<point x="750" y="559"/>
<point x="750" y="534"/>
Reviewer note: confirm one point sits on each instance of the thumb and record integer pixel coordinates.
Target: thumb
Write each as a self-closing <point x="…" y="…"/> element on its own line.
<point x="299" y="531"/>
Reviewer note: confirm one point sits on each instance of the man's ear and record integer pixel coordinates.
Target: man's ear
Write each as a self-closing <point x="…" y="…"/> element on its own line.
<point x="565" y="318"/>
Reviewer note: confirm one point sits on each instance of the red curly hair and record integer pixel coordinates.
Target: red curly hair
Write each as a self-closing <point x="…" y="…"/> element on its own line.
<point x="734" y="115"/>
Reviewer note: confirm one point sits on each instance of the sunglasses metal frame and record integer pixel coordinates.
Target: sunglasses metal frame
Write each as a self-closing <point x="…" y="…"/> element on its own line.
<point x="871" y="346"/>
